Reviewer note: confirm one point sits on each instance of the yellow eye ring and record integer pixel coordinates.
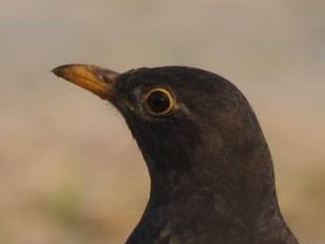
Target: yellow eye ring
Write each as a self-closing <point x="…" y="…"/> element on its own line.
<point x="159" y="102"/>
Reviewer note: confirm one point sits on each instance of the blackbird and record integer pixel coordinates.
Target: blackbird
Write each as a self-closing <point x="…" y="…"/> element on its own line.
<point x="211" y="171"/>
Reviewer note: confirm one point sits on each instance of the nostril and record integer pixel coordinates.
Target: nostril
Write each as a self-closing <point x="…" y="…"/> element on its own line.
<point x="107" y="76"/>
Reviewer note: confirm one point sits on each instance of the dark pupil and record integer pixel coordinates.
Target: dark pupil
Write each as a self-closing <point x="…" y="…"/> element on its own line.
<point x="158" y="102"/>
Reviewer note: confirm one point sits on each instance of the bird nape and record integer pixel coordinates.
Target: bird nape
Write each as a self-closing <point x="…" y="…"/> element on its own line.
<point x="211" y="171"/>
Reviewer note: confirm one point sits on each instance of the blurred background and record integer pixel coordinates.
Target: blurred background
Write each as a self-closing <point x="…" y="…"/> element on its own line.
<point x="70" y="171"/>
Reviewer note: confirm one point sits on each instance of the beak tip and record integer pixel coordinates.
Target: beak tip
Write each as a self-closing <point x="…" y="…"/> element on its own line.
<point x="56" y="71"/>
<point x="59" y="71"/>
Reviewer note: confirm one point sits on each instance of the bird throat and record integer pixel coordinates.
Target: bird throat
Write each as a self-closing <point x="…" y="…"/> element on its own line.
<point x="211" y="194"/>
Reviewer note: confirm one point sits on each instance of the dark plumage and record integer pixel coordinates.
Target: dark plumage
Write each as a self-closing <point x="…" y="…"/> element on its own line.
<point x="211" y="171"/>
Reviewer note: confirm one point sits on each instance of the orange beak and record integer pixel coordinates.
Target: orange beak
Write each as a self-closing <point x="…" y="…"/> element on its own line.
<point x="90" y="77"/>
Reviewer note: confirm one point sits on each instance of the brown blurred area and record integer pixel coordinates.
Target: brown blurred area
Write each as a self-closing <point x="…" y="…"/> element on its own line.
<point x="70" y="171"/>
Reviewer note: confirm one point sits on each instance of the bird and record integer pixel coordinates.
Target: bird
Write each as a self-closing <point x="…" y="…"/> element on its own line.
<point x="211" y="171"/>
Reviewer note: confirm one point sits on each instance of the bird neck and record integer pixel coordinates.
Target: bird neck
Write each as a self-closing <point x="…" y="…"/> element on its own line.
<point x="209" y="204"/>
<point x="214" y="190"/>
<point x="235" y="181"/>
<point x="226" y="184"/>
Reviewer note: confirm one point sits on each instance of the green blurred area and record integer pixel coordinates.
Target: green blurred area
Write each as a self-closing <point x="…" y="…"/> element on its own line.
<point x="70" y="171"/>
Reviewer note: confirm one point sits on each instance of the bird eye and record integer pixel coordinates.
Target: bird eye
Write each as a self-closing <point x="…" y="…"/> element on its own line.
<point x="159" y="101"/>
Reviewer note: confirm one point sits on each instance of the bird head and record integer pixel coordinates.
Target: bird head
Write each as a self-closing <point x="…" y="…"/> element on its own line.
<point x="190" y="124"/>
<point x="210" y="167"/>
